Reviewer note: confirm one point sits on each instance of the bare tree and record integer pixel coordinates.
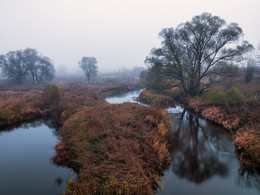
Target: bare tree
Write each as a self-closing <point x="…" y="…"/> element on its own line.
<point x="196" y="50"/>
<point x="27" y="64"/>
<point x="13" y="67"/>
<point x="89" y="67"/>
<point x="44" y="70"/>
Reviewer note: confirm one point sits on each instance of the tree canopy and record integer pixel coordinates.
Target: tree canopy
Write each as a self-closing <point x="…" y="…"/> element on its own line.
<point x="203" y="48"/>
<point x="89" y="67"/>
<point x="26" y="65"/>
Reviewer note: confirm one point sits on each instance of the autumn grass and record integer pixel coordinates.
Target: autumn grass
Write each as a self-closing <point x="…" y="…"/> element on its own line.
<point x="18" y="106"/>
<point x="154" y="99"/>
<point x="116" y="149"/>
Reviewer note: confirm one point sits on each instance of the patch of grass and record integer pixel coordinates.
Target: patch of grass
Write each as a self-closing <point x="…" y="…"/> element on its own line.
<point x="155" y="99"/>
<point x="114" y="153"/>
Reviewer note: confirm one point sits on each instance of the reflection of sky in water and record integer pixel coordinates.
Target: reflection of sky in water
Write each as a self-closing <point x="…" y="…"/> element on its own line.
<point x="25" y="165"/>
<point x="126" y="97"/>
<point x="175" y="110"/>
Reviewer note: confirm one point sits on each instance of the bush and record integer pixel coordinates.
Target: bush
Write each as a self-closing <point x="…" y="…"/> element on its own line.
<point x="216" y="97"/>
<point x="234" y="96"/>
<point x="51" y="96"/>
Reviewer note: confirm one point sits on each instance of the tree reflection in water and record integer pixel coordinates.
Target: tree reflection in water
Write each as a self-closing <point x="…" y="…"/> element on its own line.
<point x="196" y="149"/>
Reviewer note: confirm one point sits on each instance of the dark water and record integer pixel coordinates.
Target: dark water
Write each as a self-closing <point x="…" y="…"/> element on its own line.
<point x="204" y="160"/>
<point x="25" y="165"/>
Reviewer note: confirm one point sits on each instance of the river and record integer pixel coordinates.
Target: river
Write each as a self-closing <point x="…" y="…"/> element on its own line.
<point x="25" y="161"/>
<point x="204" y="160"/>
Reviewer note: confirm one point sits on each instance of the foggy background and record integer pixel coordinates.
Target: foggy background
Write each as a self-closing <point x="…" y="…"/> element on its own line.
<point x="119" y="33"/>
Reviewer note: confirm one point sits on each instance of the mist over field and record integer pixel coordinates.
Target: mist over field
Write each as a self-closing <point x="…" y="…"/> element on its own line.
<point x="118" y="33"/>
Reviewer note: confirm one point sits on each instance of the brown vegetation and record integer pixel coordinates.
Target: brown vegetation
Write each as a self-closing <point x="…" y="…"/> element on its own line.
<point x="155" y="99"/>
<point x="18" y="106"/>
<point x="116" y="149"/>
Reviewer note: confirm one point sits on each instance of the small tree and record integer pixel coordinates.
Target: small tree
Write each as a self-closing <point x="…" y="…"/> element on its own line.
<point x="89" y="67"/>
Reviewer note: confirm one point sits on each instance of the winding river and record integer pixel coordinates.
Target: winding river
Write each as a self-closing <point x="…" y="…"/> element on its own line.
<point x="204" y="160"/>
<point x="25" y="161"/>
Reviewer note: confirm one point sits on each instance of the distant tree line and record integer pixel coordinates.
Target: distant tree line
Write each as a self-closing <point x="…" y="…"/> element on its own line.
<point x="26" y="66"/>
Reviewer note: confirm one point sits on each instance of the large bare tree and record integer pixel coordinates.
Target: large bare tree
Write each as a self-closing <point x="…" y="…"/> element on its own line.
<point x="202" y="48"/>
<point x="20" y="65"/>
<point x="12" y="66"/>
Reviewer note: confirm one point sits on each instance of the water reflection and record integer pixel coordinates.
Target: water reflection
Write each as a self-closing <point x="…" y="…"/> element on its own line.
<point x="248" y="179"/>
<point x="25" y="165"/>
<point x="195" y="150"/>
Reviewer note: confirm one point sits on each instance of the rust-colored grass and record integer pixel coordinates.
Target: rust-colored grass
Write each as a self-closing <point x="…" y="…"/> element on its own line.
<point x="154" y="99"/>
<point x="17" y="106"/>
<point x="116" y="149"/>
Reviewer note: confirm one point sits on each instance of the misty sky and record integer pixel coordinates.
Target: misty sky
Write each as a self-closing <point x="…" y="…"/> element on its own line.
<point x="119" y="33"/>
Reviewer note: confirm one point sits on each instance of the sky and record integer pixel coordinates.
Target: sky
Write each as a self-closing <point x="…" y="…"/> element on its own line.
<point x="119" y="33"/>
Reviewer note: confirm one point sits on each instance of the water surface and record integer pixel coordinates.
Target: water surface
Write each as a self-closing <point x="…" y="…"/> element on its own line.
<point x="25" y="161"/>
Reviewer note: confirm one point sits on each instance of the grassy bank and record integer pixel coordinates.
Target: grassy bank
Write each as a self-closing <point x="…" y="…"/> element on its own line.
<point x="236" y="107"/>
<point x="242" y="120"/>
<point x="154" y="99"/>
<point x="18" y="106"/>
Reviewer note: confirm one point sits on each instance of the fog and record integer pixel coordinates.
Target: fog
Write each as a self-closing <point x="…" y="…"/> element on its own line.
<point x="119" y="33"/>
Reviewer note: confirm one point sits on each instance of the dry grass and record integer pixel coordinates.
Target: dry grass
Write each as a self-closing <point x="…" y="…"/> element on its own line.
<point x="17" y="106"/>
<point x="154" y="99"/>
<point x="117" y="149"/>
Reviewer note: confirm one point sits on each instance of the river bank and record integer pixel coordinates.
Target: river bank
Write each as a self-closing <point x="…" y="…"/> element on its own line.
<point x="242" y="121"/>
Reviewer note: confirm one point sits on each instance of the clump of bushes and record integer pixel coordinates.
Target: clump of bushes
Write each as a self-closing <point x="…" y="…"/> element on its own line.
<point x="220" y="97"/>
<point x="234" y="96"/>
<point x="51" y="96"/>
<point x="177" y="93"/>
<point x="216" y="97"/>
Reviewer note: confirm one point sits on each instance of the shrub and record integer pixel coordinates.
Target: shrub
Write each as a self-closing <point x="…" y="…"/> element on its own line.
<point x="50" y="97"/>
<point x="249" y="148"/>
<point x="216" y="97"/>
<point x="234" y="96"/>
